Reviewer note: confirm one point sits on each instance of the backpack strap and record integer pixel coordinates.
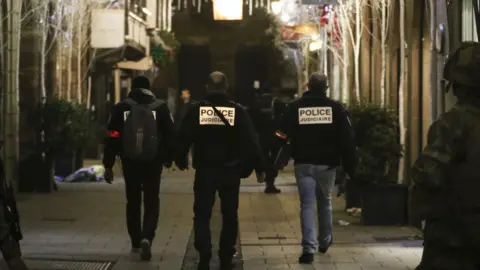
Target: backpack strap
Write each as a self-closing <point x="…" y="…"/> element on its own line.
<point x="219" y="114"/>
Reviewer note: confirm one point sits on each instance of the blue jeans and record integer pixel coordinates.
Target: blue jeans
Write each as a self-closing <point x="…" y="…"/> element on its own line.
<point x="315" y="186"/>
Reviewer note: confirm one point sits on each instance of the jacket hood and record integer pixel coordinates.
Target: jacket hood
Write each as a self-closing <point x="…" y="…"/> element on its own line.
<point x="142" y="96"/>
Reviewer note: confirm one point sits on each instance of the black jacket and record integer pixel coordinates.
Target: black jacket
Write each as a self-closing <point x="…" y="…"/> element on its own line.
<point x="219" y="145"/>
<point x="320" y="132"/>
<point x="166" y="129"/>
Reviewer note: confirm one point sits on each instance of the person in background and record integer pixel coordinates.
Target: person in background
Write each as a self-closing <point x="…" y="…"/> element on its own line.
<point x="262" y="115"/>
<point x="140" y="131"/>
<point x="321" y="139"/>
<point x="186" y="103"/>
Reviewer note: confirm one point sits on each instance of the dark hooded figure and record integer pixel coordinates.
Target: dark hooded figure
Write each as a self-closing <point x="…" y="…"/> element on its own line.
<point x="140" y="131"/>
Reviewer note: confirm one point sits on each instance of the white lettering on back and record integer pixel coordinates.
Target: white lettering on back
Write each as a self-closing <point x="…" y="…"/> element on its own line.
<point x="207" y="116"/>
<point x="315" y="115"/>
<point x="127" y="113"/>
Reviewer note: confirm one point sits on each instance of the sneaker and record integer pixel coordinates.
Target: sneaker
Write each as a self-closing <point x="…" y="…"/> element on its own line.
<point x="306" y="258"/>
<point x="324" y="250"/>
<point x="146" y="250"/>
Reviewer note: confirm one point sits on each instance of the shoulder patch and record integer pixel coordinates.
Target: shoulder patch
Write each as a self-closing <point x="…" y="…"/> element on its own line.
<point x="207" y="115"/>
<point x="315" y="115"/>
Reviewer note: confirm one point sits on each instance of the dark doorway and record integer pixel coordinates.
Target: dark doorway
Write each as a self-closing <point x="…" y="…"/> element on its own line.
<point x="194" y="66"/>
<point x="251" y="64"/>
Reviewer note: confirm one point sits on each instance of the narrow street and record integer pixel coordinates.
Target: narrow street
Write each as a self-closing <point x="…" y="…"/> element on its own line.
<point x="82" y="226"/>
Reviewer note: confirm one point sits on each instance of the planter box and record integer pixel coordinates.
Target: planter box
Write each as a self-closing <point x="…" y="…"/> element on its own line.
<point x="385" y="204"/>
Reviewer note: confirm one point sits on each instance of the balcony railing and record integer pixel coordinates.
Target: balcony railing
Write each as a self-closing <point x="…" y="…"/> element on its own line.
<point x="137" y="31"/>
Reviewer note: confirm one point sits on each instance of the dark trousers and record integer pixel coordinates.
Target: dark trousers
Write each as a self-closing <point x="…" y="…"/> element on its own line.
<point x="9" y="246"/>
<point x="270" y="152"/>
<point x="207" y="182"/>
<point x="142" y="179"/>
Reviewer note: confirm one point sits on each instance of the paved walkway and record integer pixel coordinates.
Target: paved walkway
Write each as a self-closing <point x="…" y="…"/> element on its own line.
<point x="87" y="222"/>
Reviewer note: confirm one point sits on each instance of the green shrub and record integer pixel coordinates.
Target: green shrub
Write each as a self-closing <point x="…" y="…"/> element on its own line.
<point x="377" y="137"/>
<point x="68" y="126"/>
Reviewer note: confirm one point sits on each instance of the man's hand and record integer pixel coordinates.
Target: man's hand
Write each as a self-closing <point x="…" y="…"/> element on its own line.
<point x="260" y="177"/>
<point x="108" y="175"/>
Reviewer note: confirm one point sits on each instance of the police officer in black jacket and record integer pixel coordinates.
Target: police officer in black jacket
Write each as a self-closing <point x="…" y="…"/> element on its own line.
<point x="219" y="152"/>
<point x="322" y="139"/>
<point x="141" y="175"/>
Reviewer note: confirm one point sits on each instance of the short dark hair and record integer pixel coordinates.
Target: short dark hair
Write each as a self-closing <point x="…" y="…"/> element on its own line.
<point x="317" y="82"/>
<point x="217" y="82"/>
<point x="141" y="82"/>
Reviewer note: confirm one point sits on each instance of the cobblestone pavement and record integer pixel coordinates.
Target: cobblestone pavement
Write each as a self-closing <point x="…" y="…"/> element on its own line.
<point x="86" y="221"/>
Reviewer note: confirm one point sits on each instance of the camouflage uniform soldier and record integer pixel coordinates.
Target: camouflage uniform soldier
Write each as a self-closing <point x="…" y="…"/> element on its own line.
<point x="10" y="232"/>
<point x="446" y="176"/>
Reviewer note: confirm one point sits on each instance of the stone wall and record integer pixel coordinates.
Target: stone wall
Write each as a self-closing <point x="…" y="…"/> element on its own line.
<point x="222" y="37"/>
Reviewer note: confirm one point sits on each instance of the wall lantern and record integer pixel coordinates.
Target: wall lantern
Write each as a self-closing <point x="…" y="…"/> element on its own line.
<point x="227" y="10"/>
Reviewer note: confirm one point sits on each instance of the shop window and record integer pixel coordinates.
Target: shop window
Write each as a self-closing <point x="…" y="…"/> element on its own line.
<point x="469" y="25"/>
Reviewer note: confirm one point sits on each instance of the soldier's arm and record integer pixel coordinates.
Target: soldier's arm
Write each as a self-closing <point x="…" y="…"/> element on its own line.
<point x="430" y="171"/>
<point x="112" y="142"/>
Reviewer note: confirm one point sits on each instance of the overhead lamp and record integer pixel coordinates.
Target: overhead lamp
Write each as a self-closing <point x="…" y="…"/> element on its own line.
<point x="276" y="7"/>
<point x="146" y="11"/>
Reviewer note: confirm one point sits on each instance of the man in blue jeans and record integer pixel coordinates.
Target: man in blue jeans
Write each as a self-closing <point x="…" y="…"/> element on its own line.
<point x="321" y="139"/>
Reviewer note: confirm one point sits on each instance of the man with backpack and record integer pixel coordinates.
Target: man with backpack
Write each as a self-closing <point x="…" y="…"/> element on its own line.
<point x="140" y="131"/>
<point x="226" y="150"/>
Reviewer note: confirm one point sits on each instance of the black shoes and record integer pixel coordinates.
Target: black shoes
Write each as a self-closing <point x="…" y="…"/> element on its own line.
<point x="204" y="263"/>
<point x="324" y="250"/>
<point x="145" y="250"/>
<point x="306" y="258"/>
<point x="272" y="190"/>
<point x="226" y="264"/>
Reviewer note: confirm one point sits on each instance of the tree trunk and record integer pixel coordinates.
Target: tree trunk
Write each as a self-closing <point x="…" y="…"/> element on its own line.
<point x="80" y="33"/>
<point x="356" y="49"/>
<point x="383" y="48"/>
<point x="403" y="74"/>
<point x="11" y="102"/>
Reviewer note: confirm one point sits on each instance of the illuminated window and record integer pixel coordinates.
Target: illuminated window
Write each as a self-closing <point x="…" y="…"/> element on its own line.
<point x="136" y="6"/>
<point x="227" y="10"/>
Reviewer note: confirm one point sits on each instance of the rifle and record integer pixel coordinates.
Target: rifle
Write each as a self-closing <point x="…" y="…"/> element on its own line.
<point x="9" y="204"/>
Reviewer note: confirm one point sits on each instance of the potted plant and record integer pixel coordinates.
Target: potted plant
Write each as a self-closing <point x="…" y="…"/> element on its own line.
<point x="68" y="130"/>
<point x="383" y="200"/>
